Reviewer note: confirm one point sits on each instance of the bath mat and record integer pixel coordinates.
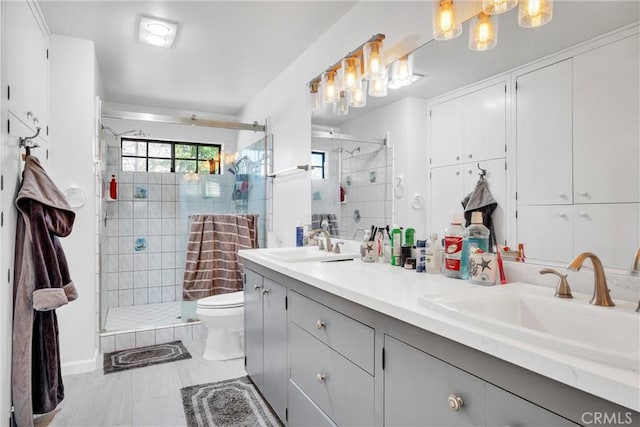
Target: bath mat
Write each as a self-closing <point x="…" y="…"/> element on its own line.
<point x="144" y="356"/>
<point x="235" y="402"/>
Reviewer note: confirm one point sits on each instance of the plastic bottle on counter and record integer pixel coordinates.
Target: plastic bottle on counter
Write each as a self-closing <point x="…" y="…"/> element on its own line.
<point x="433" y="255"/>
<point x="477" y="233"/>
<point x="396" y="245"/>
<point x="299" y="234"/>
<point x="456" y="250"/>
<point x="422" y="256"/>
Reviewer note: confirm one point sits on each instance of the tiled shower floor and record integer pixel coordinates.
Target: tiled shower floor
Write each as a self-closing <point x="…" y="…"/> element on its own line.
<point x="140" y="316"/>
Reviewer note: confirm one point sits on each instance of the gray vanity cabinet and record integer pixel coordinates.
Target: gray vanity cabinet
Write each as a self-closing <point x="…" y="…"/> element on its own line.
<point x="420" y="389"/>
<point x="266" y="338"/>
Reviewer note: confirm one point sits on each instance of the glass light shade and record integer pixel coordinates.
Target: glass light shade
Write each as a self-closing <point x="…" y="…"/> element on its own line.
<point x="358" y="98"/>
<point x="496" y="7"/>
<point x="341" y="107"/>
<point x="378" y="88"/>
<point x="534" y="13"/>
<point x="446" y="25"/>
<point x="315" y="96"/>
<point x="483" y="32"/>
<point x="374" y="60"/>
<point x="330" y="87"/>
<point x="350" y="73"/>
<point x="402" y="71"/>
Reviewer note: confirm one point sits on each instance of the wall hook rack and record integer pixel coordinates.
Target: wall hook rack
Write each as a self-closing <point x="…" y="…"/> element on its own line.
<point x="483" y="172"/>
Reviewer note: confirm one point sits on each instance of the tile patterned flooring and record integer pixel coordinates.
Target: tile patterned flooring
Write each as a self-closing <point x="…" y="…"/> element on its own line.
<point x="147" y="396"/>
<point x="140" y="316"/>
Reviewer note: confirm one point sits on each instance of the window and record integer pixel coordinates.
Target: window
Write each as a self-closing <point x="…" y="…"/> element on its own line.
<point x="147" y="155"/>
<point x="317" y="164"/>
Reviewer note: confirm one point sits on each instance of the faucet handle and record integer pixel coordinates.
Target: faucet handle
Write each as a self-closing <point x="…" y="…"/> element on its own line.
<point x="562" y="289"/>
<point x="336" y="248"/>
<point x="320" y="244"/>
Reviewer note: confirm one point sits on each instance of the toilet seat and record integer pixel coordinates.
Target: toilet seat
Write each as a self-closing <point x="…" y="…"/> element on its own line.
<point x="229" y="300"/>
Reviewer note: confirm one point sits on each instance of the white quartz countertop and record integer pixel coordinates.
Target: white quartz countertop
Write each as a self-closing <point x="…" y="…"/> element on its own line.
<point x="396" y="292"/>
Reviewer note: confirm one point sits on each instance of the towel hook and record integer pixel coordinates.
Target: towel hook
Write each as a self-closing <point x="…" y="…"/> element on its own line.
<point x="483" y="172"/>
<point x="27" y="142"/>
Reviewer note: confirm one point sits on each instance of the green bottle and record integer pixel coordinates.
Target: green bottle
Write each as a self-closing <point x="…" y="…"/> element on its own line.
<point x="396" y="245"/>
<point x="408" y="236"/>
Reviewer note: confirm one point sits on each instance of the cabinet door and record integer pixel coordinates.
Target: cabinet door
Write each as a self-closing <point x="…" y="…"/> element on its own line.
<point x="485" y="123"/>
<point x="543" y="135"/>
<point x="446" y="196"/>
<point x="27" y="65"/>
<point x="546" y="232"/>
<point x="446" y="122"/>
<point x="606" y="128"/>
<point x="506" y="409"/>
<point x="253" y="334"/>
<point x="417" y="387"/>
<point x="609" y="230"/>
<point x="497" y="182"/>
<point x="275" y="346"/>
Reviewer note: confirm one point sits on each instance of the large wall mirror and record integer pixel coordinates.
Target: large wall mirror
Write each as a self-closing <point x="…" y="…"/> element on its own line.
<point x="446" y="67"/>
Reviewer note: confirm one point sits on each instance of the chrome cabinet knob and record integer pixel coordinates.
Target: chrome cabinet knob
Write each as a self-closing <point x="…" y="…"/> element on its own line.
<point x="562" y="214"/>
<point x="455" y="402"/>
<point x="457" y="157"/>
<point x="471" y="156"/>
<point x="562" y="195"/>
<point x="265" y="291"/>
<point x="256" y="287"/>
<point x="320" y="324"/>
<point x="457" y="173"/>
<point x="470" y="171"/>
<point x="321" y="377"/>
<point x="583" y="193"/>
<point x="584" y="214"/>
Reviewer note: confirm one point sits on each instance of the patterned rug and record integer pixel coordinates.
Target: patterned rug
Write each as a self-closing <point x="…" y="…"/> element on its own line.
<point x="235" y="402"/>
<point x="144" y="356"/>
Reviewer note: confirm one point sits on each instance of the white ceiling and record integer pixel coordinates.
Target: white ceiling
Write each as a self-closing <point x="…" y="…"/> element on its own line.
<point x="225" y="52"/>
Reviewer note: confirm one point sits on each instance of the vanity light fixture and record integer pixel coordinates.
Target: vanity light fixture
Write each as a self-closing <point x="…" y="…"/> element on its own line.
<point x="534" y="13"/>
<point x="341" y="107"/>
<point x="483" y="32"/>
<point x="358" y="98"/>
<point x="345" y="82"/>
<point x="157" y="32"/>
<point x="496" y="7"/>
<point x="402" y="72"/>
<point x="378" y="88"/>
<point x="446" y="25"/>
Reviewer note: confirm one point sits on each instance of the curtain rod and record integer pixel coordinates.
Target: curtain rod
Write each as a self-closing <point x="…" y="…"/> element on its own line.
<point x="191" y="121"/>
<point x="344" y="137"/>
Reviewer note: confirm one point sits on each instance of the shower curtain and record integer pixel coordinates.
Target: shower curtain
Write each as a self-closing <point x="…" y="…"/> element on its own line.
<point x="212" y="265"/>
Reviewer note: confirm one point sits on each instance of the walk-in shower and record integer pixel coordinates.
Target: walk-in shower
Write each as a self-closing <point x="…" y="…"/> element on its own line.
<point x="144" y="235"/>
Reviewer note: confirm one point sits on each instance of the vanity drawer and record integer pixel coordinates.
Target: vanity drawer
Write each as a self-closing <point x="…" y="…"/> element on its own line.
<point x="303" y="412"/>
<point x="348" y="337"/>
<point x="337" y="386"/>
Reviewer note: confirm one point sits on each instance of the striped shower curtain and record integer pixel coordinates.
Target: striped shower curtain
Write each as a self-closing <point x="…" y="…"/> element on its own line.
<point x="212" y="265"/>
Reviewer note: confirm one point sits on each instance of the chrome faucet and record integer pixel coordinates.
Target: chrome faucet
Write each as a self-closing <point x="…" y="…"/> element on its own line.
<point x="327" y="238"/>
<point x="635" y="265"/>
<point x="600" y="288"/>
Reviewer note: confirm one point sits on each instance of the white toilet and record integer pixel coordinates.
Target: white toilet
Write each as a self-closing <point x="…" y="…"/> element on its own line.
<point x="223" y="315"/>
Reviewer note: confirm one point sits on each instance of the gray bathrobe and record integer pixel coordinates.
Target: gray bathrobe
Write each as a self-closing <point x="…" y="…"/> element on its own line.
<point x="41" y="284"/>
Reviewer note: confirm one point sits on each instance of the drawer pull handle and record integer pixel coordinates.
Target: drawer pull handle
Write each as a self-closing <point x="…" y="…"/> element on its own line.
<point x="321" y="377"/>
<point x="256" y="287"/>
<point x="320" y="324"/>
<point x="455" y="402"/>
<point x="265" y="291"/>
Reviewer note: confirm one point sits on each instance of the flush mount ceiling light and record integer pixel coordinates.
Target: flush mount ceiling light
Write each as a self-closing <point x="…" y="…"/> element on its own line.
<point x="157" y="32"/>
<point x="534" y="13"/>
<point x="483" y="32"/>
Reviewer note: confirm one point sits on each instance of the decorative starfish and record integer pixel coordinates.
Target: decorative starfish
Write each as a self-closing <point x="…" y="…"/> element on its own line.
<point x="485" y="264"/>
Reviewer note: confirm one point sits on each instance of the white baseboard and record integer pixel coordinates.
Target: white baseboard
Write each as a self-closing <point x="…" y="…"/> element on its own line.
<point x="81" y="366"/>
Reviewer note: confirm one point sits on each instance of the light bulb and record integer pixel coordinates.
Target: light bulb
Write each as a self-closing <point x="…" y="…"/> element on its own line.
<point x="358" y="97"/>
<point x="534" y="13"/>
<point x="445" y="22"/>
<point x="330" y="90"/>
<point x="350" y="73"/>
<point x="483" y="34"/>
<point x="374" y="60"/>
<point x="402" y="71"/>
<point x="496" y="7"/>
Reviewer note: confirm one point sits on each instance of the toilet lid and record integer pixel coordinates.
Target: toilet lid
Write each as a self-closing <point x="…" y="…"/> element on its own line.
<point x="230" y="300"/>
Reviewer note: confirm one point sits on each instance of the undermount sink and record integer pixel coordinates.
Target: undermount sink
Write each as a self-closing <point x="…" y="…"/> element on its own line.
<point x="307" y="253"/>
<point x="532" y="314"/>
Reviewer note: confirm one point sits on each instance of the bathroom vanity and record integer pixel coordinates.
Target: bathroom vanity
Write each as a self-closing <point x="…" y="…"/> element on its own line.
<point x="350" y="343"/>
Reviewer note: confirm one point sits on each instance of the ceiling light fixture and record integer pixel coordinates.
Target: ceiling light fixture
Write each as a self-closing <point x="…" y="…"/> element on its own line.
<point x="414" y="78"/>
<point x="402" y="71"/>
<point x="358" y="98"/>
<point x="483" y="32"/>
<point x="157" y="32"/>
<point x="496" y="7"/>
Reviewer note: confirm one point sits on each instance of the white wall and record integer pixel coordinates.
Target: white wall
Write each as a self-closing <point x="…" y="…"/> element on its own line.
<point x="406" y="25"/>
<point x="406" y="123"/>
<point x="73" y="82"/>
<point x="5" y="293"/>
